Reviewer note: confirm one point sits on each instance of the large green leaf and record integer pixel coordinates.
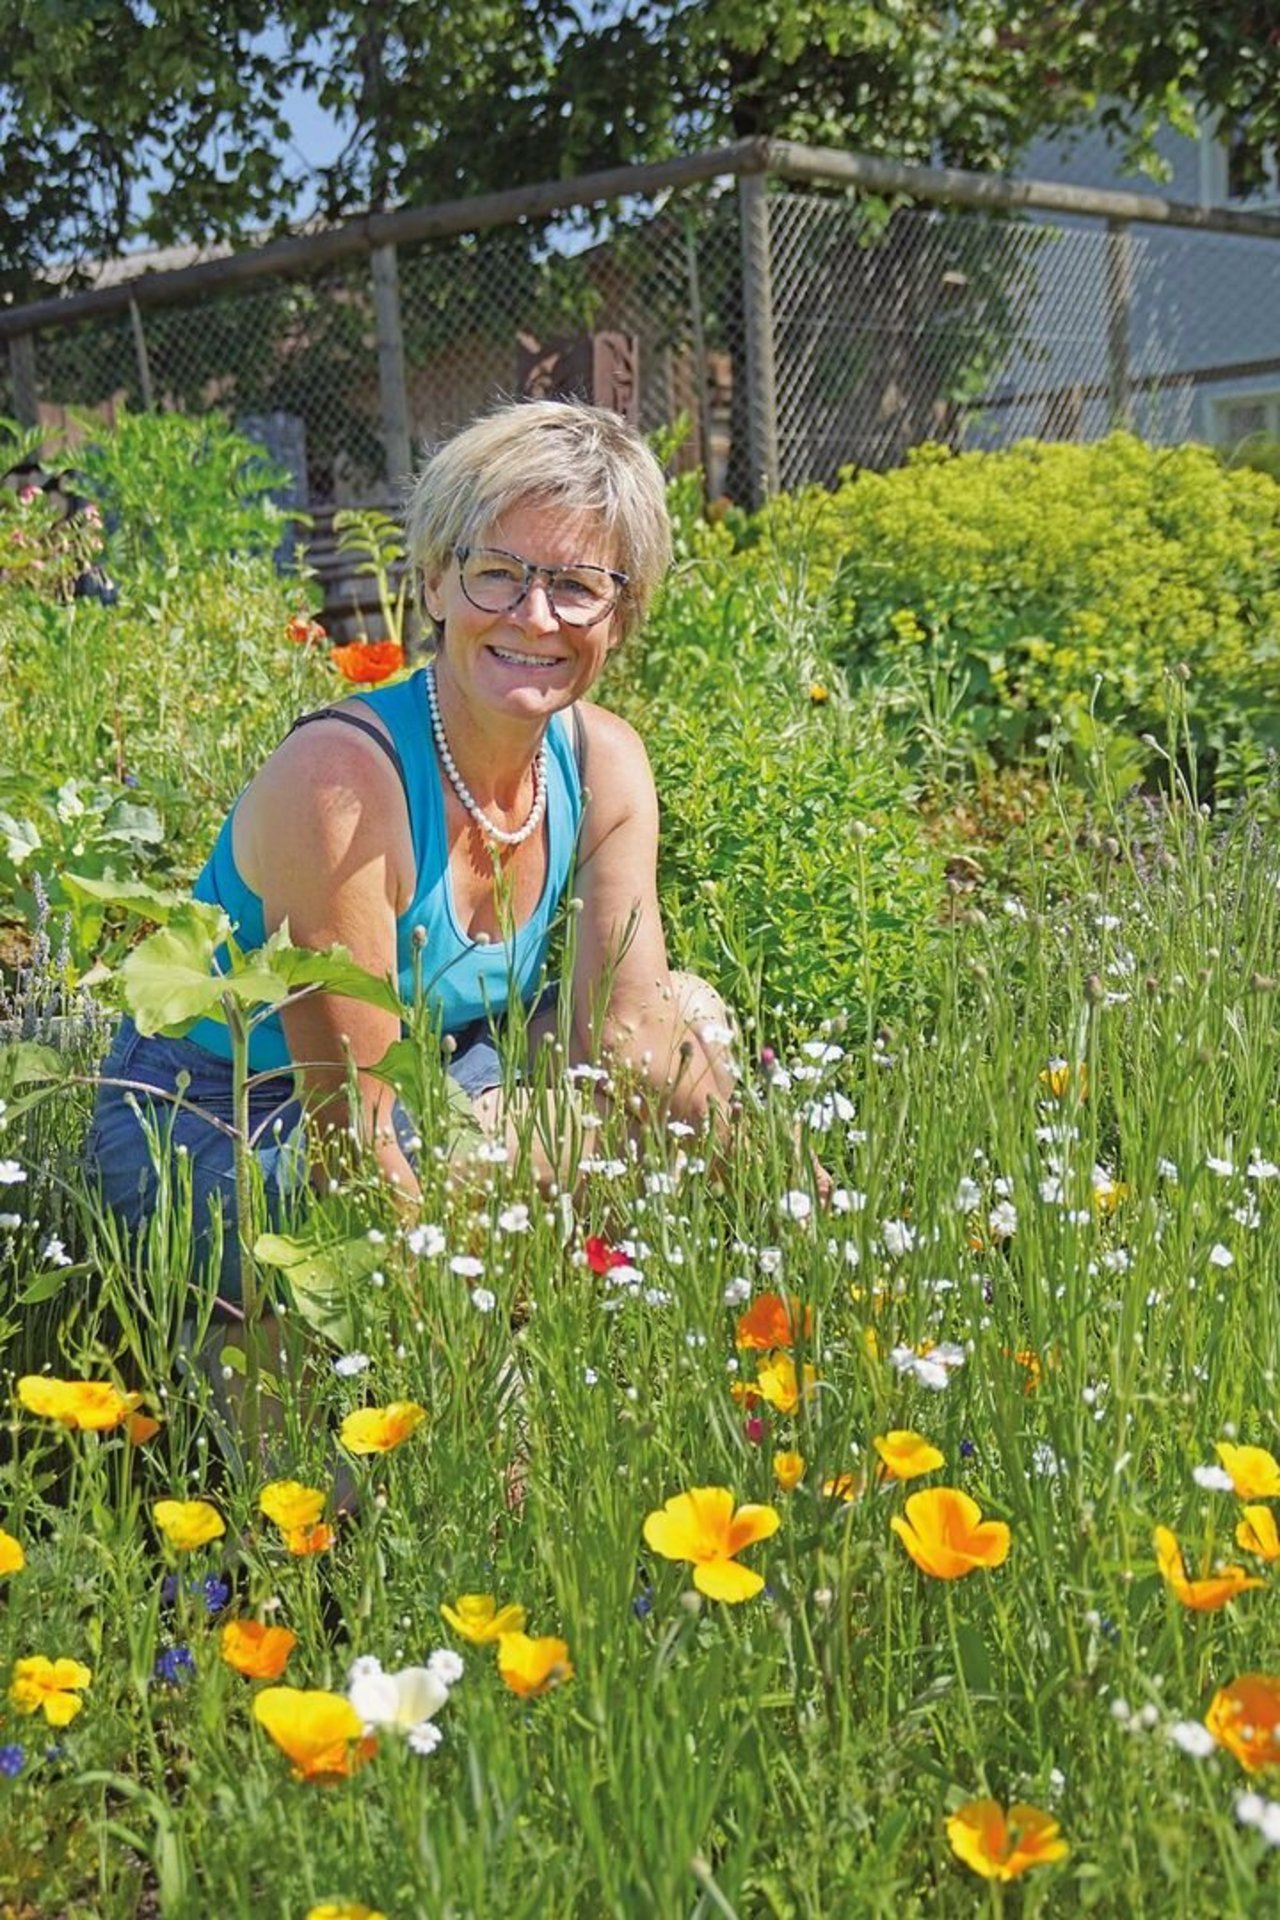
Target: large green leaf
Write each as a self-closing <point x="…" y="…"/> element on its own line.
<point x="169" y="979"/>
<point x="152" y="903"/>
<point x="319" y="1275"/>
<point x="332" y="969"/>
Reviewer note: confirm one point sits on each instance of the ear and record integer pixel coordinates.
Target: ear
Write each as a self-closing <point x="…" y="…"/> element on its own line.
<point x="432" y="599"/>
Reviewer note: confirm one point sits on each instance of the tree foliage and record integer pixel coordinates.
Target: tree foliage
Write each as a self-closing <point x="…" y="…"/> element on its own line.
<point x="100" y="99"/>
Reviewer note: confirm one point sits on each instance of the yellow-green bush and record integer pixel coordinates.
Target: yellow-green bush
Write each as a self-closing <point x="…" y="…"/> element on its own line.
<point x="1056" y="580"/>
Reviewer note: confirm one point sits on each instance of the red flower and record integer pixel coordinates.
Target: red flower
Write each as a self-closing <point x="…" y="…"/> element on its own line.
<point x="601" y="1257"/>
<point x="368" y="661"/>
<point x="304" y="631"/>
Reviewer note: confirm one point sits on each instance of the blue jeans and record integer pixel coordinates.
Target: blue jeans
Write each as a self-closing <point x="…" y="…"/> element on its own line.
<point x="118" y="1156"/>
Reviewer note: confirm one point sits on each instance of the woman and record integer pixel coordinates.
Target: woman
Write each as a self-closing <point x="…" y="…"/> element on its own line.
<point x="437" y="822"/>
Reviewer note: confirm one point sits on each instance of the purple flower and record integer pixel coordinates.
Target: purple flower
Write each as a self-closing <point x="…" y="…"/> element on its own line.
<point x="967" y="1449"/>
<point x="216" y="1593"/>
<point x="12" y="1761"/>
<point x="643" y="1603"/>
<point x="173" y="1664"/>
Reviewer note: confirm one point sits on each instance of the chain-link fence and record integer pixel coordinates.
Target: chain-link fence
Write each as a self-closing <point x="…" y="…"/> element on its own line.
<point x="796" y="330"/>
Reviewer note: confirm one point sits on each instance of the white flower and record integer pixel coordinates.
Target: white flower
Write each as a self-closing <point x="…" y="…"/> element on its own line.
<point x="823" y="1051"/>
<point x="11" y="1174"/>
<point x="1193" y="1737"/>
<point x="737" y="1292"/>
<point x="1003" y="1219"/>
<point x="375" y="1236"/>
<point x="769" y="1259"/>
<point x="714" y="1033"/>
<point x="680" y="1130"/>
<point x="932" y="1369"/>
<point x="968" y="1195"/>
<point x="10" y="1222"/>
<point x="426" y="1241"/>
<point x="401" y="1700"/>
<point x="781" y="1079"/>
<point x="847" y="1200"/>
<point x="1213" y="1479"/>
<point x="446" y="1665"/>
<point x="586" y="1072"/>
<point x="1014" y="909"/>
<point x="795" y="1205"/>
<point x="348" y="1365"/>
<point x="1220" y="1256"/>
<point x="1051" y="1189"/>
<point x="424" y="1738"/>
<point x="821" y="1115"/>
<point x="492" y="1153"/>
<point x="514" y="1219"/>
<point x="482" y="1300"/>
<point x="1045" y="1461"/>
<point x="1259" y="1169"/>
<point x="659" y="1183"/>
<point x="55" y="1252"/>
<point x="466" y="1266"/>
<point x="589" y="1376"/>
<point x="897" y="1238"/>
<point x="1167" y="1170"/>
<point x="1222" y="1167"/>
<point x="365" y="1667"/>
<point x="1117" y="1260"/>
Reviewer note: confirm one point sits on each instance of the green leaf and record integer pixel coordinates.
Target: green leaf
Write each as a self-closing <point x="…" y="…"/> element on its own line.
<point x="319" y="1275"/>
<point x="332" y="969"/>
<point x="27" y="1060"/>
<point x="169" y="981"/>
<point x="46" y="1286"/>
<point x="20" y="837"/>
<point x="151" y="903"/>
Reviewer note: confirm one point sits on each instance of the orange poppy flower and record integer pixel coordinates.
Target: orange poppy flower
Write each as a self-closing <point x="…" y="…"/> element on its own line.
<point x="303" y="631"/>
<point x="321" y="1732"/>
<point x="532" y="1666"/>
<point x="1001" y="1845"/>
<point x="1255" y="1473"/>
<point x="1245" y="1718"/>
<point x="770" y="1321"/>
<point x="1205" y="1595"/>
<point x="368" y="661"/>
<point x="845" y="1486"/>
<point x="946" y="1536"/>
<point x="139" y="1428"/>
<point x="702" y="1527"/>
<point x="300" y="1541"/>
<point x="1256" y="1533"/>
<point x="259" y="1652"/>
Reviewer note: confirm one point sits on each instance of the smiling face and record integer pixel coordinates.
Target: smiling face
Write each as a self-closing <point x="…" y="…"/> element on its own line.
<point x="526" y="663"/>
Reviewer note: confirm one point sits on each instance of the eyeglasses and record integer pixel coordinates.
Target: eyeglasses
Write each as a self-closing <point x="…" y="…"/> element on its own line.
<point x="495" y="581"/>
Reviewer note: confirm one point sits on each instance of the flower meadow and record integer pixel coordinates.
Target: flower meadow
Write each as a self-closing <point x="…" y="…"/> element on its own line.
<point x="680" y="1542"/>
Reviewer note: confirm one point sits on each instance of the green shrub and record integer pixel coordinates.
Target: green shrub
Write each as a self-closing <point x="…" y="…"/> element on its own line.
<point x="1056" y="584"/>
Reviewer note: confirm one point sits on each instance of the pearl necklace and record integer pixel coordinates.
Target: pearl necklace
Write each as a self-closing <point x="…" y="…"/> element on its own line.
<point x="463" y="791"/>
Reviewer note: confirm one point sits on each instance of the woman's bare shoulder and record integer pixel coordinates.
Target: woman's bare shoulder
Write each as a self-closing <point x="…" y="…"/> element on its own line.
<point x="324" y="789"/>
<point x="619" y="779"/>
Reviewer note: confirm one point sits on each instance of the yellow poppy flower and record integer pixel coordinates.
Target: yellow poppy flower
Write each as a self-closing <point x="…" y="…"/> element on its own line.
<point x="379" y="1429"/>
<point x="946" y="1536"/>
<point x="477" y="1617"/>
<point x="906" y="1455"/>
<point x="187" y="1524"/>
<point x="93" y="1406"/>
<point x="1255" y="1473"/>
<point x="53" y="1686"/>
<point x="788" y="1470"/>
<point x="778" y="1383"/>
<point x="702" y="1527"/>
<point x="321" y="1732"/>
<point x="12" y="1558"/>
<point x="259" y="1652"/>
<point x="1245" y="1718"/>
<point x="1060" y="1076"/>
<point x="1205" y="1595"/>
<point x="1256" y="1533"/>
<point x="1001" y="1845"/>
<point x="289" y="1504"/>
<point x="844" y="1486"/>
<point x="533" y="1666"/>
<point x="343" y="1910"/>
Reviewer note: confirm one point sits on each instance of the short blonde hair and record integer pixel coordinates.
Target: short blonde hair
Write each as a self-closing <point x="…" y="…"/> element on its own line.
<point x="559" y="453"/>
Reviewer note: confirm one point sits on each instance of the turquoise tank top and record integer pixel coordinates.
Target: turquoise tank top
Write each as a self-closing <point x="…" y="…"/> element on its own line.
<point x="462" y="980"/>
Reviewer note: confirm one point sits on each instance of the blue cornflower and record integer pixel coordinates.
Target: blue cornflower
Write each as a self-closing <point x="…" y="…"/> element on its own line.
<point x="168" y="1589"/>
<point x="216" y="1592"/>
<point x="967" y="1449"/>
<point x="173" y="1665"/>
<point x="12" y="1760"/>
<point x="642" y="1605"/>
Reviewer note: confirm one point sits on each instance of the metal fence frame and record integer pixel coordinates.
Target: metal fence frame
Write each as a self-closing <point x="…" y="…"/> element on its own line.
<point x="752" y="164"/>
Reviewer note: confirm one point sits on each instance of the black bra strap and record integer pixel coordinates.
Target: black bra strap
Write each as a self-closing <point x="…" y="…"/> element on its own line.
<point x="366" y="726"/>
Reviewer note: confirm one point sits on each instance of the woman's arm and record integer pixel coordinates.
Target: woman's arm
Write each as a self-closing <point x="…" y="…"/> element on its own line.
<point x="624" y="990"/>
<point x="322" y="835"/>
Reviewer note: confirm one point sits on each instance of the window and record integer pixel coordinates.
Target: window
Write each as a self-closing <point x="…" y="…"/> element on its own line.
<point x="1234" y="417"/>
